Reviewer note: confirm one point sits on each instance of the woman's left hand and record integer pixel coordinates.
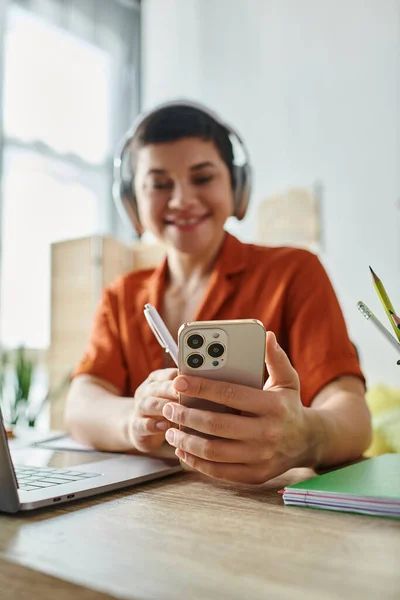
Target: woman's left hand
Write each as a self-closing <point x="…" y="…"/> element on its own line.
<point x="268" y="438"/>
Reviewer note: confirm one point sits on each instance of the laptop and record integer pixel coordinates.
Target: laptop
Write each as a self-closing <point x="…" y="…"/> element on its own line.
<point x="33" y="477"/>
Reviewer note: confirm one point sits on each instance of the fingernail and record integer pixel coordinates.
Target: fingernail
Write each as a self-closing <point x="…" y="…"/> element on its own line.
<point x="170" y="436"/>
<point x="181" y="384"/>
<point x="162" y="425"/>
<point x="168" y="411"/>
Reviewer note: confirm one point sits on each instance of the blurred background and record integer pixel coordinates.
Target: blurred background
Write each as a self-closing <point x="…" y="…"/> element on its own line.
<point x="314" y="89"/>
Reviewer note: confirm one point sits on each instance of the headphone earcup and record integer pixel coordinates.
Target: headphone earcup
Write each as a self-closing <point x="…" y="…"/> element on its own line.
<point x="127" y="206"/>
<point x="242" y="189"/>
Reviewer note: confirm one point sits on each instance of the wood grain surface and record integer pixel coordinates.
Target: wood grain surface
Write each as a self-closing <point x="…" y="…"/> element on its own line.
<point x="189" y="537"/>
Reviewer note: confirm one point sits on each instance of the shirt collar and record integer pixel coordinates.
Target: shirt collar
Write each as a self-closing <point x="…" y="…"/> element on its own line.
<point x="232" y="260"/>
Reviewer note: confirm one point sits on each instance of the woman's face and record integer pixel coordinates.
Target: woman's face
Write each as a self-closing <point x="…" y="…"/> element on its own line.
<point x="184" y="193"/>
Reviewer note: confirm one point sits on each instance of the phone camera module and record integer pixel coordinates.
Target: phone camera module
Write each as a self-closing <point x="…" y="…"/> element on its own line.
<point x="195" y="341"/>
<point x="195" y="361"/>
<point x="216" y="350"/>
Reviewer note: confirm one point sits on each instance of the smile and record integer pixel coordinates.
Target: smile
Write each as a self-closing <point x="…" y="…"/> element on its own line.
<point x="188" y="223"/>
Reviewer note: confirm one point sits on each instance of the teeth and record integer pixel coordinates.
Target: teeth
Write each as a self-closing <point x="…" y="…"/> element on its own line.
<point x="187" y="221"/>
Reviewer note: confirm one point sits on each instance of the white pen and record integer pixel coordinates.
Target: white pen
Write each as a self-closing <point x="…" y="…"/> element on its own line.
<point x="161" y="332"/>
<point x="368" y="314"/>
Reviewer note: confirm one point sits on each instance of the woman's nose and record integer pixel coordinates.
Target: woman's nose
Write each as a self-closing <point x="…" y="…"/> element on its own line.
<point x="182" y="196"/>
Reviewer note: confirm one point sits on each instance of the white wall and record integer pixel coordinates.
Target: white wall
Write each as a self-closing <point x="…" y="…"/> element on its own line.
<point x="314" y="88"/>
<point x="171" y="45"/>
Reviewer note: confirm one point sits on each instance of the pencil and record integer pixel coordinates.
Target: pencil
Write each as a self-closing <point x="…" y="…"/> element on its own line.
<point x="368" y="314"/>
<point x="396" y="320"/>
<point x="385" y="300"/>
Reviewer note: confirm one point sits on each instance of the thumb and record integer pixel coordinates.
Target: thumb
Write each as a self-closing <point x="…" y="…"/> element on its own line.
<point x="281" y="372"/>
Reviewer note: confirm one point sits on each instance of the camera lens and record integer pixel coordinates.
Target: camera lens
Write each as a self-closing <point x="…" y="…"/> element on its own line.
<point x="195" y="361"/>
<point x="195" y="341"/>
<point x="216" y="350"/>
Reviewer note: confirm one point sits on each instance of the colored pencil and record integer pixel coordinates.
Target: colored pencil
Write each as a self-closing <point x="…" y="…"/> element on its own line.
<point x="385" y="300"/>
<point x="396" y="320"/>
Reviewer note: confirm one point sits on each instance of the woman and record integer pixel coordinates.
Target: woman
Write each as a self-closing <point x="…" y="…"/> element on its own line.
<point x="312" y="409"/>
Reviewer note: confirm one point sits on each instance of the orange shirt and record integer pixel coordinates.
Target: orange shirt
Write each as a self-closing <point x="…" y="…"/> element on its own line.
<point x="287" y="289"/>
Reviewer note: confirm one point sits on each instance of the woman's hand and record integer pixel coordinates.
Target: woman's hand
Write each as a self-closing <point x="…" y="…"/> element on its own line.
<point x="268" y="439"/>
<point x="148" y="426"/>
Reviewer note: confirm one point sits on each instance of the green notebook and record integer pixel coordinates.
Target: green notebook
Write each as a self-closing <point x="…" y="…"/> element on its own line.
<point x="368" y="487"/>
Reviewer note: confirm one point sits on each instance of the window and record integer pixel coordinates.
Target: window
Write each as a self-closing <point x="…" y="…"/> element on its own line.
<point x="56" y="164"/>
<point x="56" y="89"/>
<point x="45" y="200"/>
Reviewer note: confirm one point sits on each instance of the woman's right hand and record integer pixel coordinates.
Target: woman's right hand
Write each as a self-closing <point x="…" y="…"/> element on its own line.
<point x="148" y="426"/>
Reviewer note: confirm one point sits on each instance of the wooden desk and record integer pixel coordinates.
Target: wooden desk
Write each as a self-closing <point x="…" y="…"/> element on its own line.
<point x="186" y="537"/>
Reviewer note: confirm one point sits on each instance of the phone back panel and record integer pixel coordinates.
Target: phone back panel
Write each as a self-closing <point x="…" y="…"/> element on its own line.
<point x="242" y="361"/>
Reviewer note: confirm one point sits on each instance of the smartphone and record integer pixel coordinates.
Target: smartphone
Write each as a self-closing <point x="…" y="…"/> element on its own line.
<point x="229" y="351"/>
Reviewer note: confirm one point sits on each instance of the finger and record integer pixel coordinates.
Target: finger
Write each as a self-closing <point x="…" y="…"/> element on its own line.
<point x="152" y="406"/>
<point x="149" y="426"/>
<point x="233" y="395"/>
<point x="214" y="450"/>
<point x="158" y="383"/>
<point x="228" y="472"/>
<point x="223" y="425"/>
<point x="163" y="375"/>
<point x="281" y="372"/>
<point x="161" y="389"/>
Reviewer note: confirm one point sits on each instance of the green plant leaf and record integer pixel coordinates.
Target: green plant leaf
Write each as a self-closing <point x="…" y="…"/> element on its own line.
<point x="24" y="369"/>
<point x="51" y="396"/>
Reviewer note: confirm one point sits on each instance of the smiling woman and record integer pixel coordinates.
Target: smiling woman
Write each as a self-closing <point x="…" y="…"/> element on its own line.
<point x="186" y="203"/>
<point x="182" y="184"/>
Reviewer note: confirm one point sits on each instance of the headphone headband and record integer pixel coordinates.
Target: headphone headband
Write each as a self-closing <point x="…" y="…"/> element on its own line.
<point x="123" y="185"/>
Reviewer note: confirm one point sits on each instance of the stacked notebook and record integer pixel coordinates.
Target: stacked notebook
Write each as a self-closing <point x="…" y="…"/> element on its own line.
<point x="371" y="487"/>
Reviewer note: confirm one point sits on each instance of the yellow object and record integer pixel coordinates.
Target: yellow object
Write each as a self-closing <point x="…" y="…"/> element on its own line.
<point x="385" y="300"/>
<point x="384" y="404"/>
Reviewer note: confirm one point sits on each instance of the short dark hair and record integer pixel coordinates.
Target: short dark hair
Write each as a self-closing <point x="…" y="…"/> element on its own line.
<point x="172" y="123"/>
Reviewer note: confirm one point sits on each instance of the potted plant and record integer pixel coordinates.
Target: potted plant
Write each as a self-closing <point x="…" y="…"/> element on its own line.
<point x="16" y="378"/>
<point x="3" y="369"/>
<point x="24" y="370"/>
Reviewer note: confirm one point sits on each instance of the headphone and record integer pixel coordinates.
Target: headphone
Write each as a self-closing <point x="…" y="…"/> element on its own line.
<point x="123" y="185"/>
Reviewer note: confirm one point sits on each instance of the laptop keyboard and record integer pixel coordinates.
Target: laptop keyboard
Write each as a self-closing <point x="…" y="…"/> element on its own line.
<point x="35" y="478"/>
